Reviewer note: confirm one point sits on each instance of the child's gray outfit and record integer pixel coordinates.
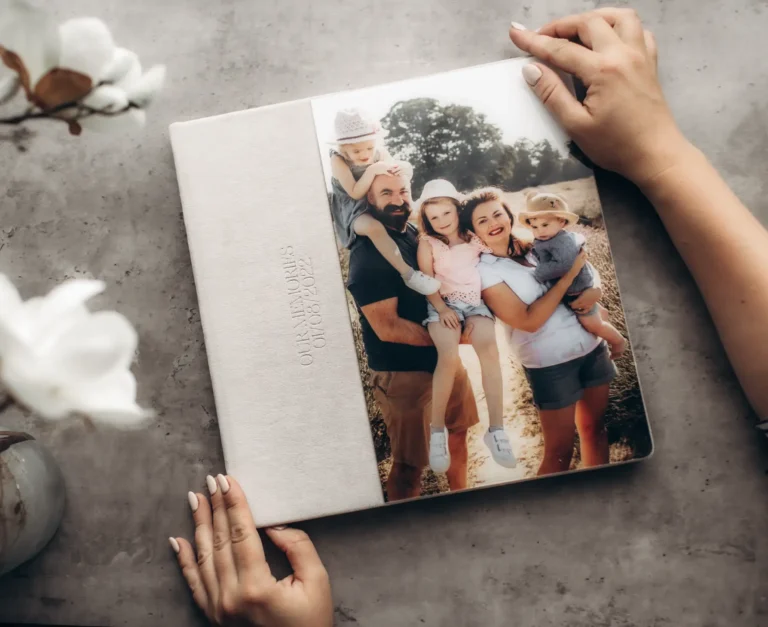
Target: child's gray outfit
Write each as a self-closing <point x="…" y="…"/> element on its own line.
<point x="556" y="256"/>
<point x="345" y="209"/>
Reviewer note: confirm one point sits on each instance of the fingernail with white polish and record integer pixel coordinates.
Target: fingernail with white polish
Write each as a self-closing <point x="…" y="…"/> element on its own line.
<point x="279" y="527"/>
<point x="211" y="483"/>
<point x="518" y="26"/>
<point x="531" y="74"/>
<point x="174" y="544"/>
<point x="193" y="502"/>
<point x="223" y="483"/>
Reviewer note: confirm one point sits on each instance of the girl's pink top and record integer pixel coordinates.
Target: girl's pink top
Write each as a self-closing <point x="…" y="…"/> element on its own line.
<point x="456" y="268"/>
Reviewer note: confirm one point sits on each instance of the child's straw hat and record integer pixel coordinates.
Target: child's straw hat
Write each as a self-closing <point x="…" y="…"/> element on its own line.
<point x="539" y="204"/>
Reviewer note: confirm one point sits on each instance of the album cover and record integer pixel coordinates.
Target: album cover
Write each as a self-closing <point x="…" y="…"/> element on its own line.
<point x="406" y="290"/>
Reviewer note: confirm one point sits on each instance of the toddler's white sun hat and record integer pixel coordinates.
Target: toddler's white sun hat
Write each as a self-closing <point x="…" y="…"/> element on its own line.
<point x="354" y="125"/>
<point x="437" y="188"/>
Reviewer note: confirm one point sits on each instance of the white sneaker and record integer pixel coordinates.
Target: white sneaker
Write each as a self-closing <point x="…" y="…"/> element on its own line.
<point x="439" y="457"/>
<point x="500" y="447"/>
<point x="423" y="283"/>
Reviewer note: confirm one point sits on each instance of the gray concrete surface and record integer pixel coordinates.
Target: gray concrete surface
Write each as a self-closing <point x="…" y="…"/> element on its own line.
<point x="679" y="540"/>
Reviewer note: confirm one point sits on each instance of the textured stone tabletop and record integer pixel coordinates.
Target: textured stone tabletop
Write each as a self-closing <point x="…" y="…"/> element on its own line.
<point x="678" y="540"/>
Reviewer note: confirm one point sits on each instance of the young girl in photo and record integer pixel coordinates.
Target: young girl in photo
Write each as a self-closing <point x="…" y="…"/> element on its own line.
<point x="358" y="157"/>
<point x="451" y="254"/>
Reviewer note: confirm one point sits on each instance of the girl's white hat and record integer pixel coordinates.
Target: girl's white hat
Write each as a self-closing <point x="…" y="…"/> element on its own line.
<point x="437" y="188"/>
<point x="538" y="204"/>
<point x="354" y="125"/>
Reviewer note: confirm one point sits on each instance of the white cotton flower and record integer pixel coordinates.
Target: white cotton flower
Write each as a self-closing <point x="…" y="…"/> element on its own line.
<point x="147" y="86"/>
<point x="57" y="358"/>
<point x="9" y="87"/>
<point x="123" y="64"/>
<point x="86" y="46"/>
<point x="30" y="33"/>
<point x="89" y="68"/>
<point x="106" y="98"/>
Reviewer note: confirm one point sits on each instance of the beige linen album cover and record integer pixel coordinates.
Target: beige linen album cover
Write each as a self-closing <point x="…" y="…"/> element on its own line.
<point x="405" y="290"/>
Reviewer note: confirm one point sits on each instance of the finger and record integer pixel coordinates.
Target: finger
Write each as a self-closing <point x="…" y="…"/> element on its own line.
<point x="652" y="48"/>
<point x="223" y="560"/>
<point x="624" y="21"/>
<point x="247" y="549"/>
<point x="628" y="26"/>
<point x="191" y="571"/>
<point x="593" y="30"/>
<point x="563" y="54"/>
<point x="204" y="544"/>
<point x="600" y="33"/>
<point x="556" y="97"/>
<point x="300" y="551"/>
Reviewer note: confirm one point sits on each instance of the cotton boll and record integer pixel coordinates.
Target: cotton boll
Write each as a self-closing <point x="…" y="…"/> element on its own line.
<point x="86" y="46"/>
<point x="143" y="91"/>
<point x="106" y="98"/>
<point x="31" y="34"/>
<point x="124" y="64"/>
<point x="9" y="87"/>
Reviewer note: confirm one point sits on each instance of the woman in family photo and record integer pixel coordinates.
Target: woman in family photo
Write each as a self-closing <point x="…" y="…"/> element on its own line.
<point x="569" y="369"/>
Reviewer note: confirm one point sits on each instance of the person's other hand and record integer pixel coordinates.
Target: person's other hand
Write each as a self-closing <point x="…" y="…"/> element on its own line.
<point x="586" y="300"/>
<point x="449" y="319"/>
<point x="395" y="169"/>
<point x="624" y="124"/>
<point x="230" y="579"/>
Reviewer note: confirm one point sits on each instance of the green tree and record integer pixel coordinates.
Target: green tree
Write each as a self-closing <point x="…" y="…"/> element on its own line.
<point x="457" y="143"/>
<point x="443" y="141"/>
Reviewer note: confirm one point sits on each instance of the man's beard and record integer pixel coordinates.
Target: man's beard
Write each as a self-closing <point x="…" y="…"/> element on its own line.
<point x="393" y="216"/>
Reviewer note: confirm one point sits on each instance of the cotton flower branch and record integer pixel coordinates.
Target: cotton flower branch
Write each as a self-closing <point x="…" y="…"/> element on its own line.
<point x="72" y="72"/>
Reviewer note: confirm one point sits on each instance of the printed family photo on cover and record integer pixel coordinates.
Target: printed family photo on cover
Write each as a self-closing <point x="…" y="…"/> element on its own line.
<point x="482" y="294"/>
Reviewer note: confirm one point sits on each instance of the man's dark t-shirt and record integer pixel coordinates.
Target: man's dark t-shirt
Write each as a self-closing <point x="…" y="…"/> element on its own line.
<point x="373" y="279"/>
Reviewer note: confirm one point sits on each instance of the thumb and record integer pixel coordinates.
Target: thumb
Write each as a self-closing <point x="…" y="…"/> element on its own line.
<point x="300" y="551"/>
<point x="555" y="96"/>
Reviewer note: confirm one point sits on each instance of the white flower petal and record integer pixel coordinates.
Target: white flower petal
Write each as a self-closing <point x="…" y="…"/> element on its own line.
<point x="9" y="87"/>
<point x="98" y="345"/>
<point x="57" y="358"/>
<point x="106" y="98"/>
<point x="143" y="91"/>
<point x="131" y="120"/>
<point x="62" y="300"/>
<point x="31" y="34"/>
<point x="9" y="295"/>
<point x="132" y="75"/>
<point x="10" y="307"/>
<point x="28" y="379"/>
<point x="113" y="399"/>
<point x="123" y="63"/>
<point x="86" y="46"/>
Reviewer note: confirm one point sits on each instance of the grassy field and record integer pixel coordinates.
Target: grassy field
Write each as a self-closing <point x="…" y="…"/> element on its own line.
<point x="625" y="419"/>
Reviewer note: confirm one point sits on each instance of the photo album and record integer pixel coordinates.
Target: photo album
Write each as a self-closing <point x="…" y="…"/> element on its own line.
<point x="406" y="290"/>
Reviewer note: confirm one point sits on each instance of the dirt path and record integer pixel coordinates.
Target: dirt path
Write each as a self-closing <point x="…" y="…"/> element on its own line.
<point x="520" y="422"/>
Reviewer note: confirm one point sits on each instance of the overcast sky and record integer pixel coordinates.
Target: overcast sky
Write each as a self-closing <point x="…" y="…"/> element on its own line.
<point x="496" y="89"/>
